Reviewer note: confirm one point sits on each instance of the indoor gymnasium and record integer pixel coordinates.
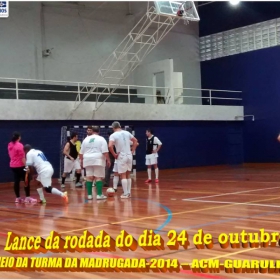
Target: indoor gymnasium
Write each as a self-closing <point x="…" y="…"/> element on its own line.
<point x="139" y="139"/>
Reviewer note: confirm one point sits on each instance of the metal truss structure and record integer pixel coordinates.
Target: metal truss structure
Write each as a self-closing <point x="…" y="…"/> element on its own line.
<point x="140" y="41"/>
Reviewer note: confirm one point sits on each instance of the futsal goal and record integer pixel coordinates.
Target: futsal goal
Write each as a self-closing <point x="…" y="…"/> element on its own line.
<point x="82" y="134"/>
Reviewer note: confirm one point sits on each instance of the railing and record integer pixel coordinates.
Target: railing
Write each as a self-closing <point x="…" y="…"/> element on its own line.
<point x="17" y="88"/>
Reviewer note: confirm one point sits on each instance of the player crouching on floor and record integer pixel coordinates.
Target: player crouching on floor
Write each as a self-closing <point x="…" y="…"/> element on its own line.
<point x="36" y="159"/>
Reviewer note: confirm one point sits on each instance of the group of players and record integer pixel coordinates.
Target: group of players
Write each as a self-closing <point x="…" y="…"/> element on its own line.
<point x="94" y="158"/>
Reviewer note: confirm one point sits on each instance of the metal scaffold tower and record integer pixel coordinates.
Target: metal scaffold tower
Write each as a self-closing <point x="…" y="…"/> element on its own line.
<point x="140" y="41"/>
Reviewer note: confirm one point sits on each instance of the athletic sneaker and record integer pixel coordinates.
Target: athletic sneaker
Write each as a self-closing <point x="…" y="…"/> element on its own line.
<point x="99" y="197"/>
<point x="148" y="181"/>
<point x="79" y="185"/>
<point x="30" y="200"/>
<point x="43" y="201"/>
<point x="89" y="197"/>
<point x="157" y="180"/>
<point x="125" y="196"/>
<point x="115" y="189"/>
<point x="65" y="197"/>
<point x="19" y="200"/>
<point x="62" y="186"/>
<point x="129" y="195"/>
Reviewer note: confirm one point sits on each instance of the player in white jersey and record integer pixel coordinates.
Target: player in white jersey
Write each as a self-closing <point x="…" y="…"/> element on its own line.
<point x="93" y="156"/>
<point x="116" y="177"/>
<point x="121" y="140"/>
<point x="153" y="145"/>
<point x="37" y="159"/>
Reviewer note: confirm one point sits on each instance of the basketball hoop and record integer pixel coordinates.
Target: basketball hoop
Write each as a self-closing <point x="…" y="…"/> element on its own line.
<point x="187" y="11"/>
<point x="182" y="13"/>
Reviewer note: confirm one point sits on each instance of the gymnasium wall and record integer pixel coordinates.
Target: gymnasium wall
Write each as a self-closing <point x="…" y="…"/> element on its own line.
<point x="82" y="39"/>
<point x="61" y="110"/>
<point x="185" y="144"/>
<point x="257" y="75"/>
<point x="220" y="16"/>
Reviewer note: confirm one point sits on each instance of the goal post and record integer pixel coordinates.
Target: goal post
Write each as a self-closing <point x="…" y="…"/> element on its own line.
<point x="81" y="130"/>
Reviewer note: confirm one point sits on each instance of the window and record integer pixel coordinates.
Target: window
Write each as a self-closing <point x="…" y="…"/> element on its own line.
<point x="240" y="40"/>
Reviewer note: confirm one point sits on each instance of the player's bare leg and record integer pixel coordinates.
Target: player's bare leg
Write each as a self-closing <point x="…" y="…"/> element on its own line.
<point x="156" y="172"/>
<point x="129" y="182"/>
<point x="78" y="177"/>
<point x="124" y="180"/>
<point x="149" y="170"/>
<point x="51" y="190"/>
<point x="28" y="198"/>
<point x="116" y="180"/>
<point x="41" y="195"/>
<point x="63" y="178"/>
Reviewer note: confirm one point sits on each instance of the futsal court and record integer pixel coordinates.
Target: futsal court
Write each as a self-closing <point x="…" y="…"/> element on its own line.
<point x="189" y="199"/>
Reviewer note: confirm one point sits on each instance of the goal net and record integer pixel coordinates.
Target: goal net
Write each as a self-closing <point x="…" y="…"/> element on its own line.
<point x="82" y="133"/>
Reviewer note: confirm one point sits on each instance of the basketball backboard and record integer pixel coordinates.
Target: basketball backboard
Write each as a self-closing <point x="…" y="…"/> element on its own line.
<point x="171" y="8"/>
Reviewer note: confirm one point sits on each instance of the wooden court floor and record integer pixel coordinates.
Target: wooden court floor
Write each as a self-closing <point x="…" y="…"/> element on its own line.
<point x="214" y="199"/>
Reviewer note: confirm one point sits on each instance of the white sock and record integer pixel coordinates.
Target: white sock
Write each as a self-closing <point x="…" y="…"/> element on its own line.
<point x="41" y="193"/>
<point x="156" y="171"/>
<point x="129" y="185"/>
<point x="124" y="185"/>
<point x="115" y="182"/>
<point x="149" y="173"/>
<point x="57" y="192"/>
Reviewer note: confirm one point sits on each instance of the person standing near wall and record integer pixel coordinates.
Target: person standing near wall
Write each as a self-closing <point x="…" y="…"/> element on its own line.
<point x="71" y="161"/>
<point x="121" y="140"/>
<point x="78" y="148"/>
<point x="160" y="98"/>
<point x="17" y="165"/>
<point x="89" y="133"/>
<point x="153" y="145"/>
<point x="109" y="170"/>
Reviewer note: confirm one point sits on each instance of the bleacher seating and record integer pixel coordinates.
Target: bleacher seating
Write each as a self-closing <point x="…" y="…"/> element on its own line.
<point x="61" y="93"/>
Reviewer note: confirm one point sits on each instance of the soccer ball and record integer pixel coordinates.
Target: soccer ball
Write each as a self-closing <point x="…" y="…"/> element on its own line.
<point x="180" y="13"/>
<point x="110" y="192"/>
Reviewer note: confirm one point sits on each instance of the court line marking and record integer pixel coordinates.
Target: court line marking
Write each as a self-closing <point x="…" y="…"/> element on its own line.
<point x="237" y="203"/>
<point x="190" y="228"/>
<point x="169" y="212"/>
<point x="214" y="223"/>
<point x="160" y="205"/>
<point x="256" y="229"/>
<point x="231" y="254"/>
<point x="162" y="215"/>
<point x="213" y="192"/>
<point x="222" y="181"/>
<point x="178" y="190"/>
<point x="223" y="194"/>
<point x="177" y="213"/>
